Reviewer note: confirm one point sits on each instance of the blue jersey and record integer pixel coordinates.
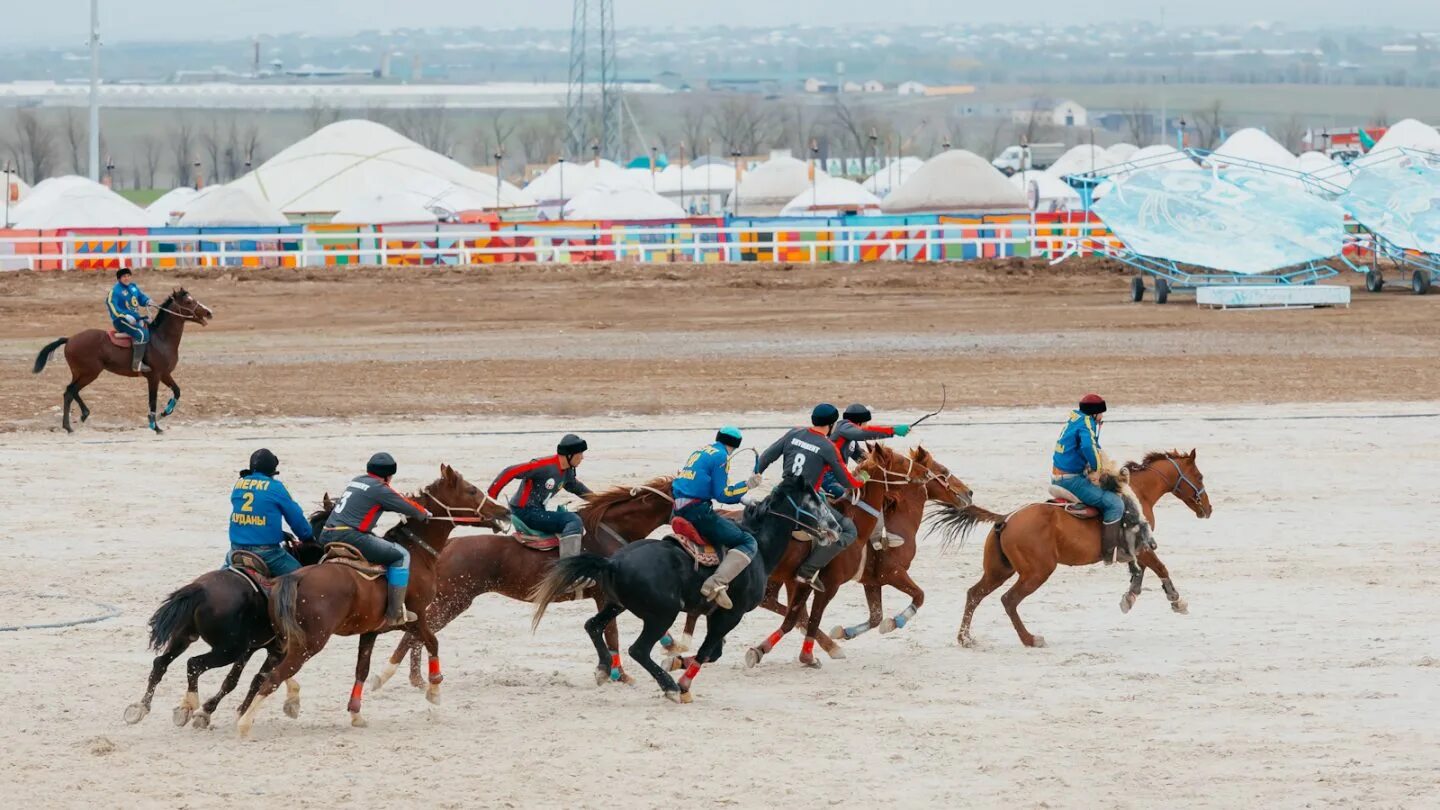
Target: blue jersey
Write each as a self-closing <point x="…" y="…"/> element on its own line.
<point x="1078" y="449"/>
<point x="258" y="503"/>
<point x="705" y="477"/>
<point x="126" y="299"/>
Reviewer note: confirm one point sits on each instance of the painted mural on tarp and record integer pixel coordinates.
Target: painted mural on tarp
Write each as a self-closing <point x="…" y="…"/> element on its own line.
<point x="1245" y="223"/>
<point x="1399" y="203"/>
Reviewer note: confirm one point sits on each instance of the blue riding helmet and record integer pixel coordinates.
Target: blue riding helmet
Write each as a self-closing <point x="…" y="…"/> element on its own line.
<point x="729" y="436"/>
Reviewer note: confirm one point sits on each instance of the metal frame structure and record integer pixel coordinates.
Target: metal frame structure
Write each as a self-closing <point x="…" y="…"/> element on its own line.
<point x="578" y="138"/>
<point x="1415" y="269"/>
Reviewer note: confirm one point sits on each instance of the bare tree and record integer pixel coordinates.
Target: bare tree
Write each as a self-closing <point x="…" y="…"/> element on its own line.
<point x="147" y="164"/>
<point x="77" y="138"/>
<point x="1140" y="123"/>
<point x="1292" y="133"/>
<point x="742" y="124"/>
<point x="1035" y="118"/>
<point x="321" y="114"/>
<point x="180" y="138"/>
<point x="429" y="126"/>
<point x="542" y="137"/>
<point x="1209" y="124"/>
<point x="212" y="142"/>
<point x="693" y="128"/>
<point x="493" y="134"/>
<point x="248" y="146"/>
<point x="34" y="145"/>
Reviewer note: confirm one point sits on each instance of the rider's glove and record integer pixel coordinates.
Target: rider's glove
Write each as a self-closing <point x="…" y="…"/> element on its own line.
<point x="750" y="498"/>
<point x="902" y="430"/>
<point x="863" y="476"/>
<point x="753" y="481"/>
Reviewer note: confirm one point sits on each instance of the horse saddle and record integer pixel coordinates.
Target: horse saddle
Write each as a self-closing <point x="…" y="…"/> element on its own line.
<point x="350" y="557"/>
<point x="249" y="565"/>
<point x="120" y="339"/>
<point x="684" y="534"/>
<point x="1060" y="496"/>
<point x="531" y="538"/>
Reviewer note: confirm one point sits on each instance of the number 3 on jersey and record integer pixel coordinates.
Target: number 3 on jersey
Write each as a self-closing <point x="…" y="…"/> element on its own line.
<point x="340" y="504"/>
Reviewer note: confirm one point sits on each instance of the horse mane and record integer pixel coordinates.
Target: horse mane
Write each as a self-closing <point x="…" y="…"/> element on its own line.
<point x="164" y="312"/>
<point x="1158" y="455"/>
<point x="597" y="503"/>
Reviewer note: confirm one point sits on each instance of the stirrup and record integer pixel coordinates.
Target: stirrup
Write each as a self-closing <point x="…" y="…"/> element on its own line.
<point x="813" y="582"/>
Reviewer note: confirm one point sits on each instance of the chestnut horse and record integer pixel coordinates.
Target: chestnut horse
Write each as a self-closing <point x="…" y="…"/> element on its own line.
<point x="479" y="564"/>
<point x="314" y="603"/>
<point x="1032" y="540"/>
<point x="904" y="484"/>
<point x="90" y="352"/>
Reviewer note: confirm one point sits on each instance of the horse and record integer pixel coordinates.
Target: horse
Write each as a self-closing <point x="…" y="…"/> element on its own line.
<point x="1032" y="540"/>
<point x="904" y="484"/>
<point x="657" y="579"/>
<point x="477" y="564"/>
<point x="308" y="606"/>
<point x="90" y="352"/>
<point x="227" y="608"/>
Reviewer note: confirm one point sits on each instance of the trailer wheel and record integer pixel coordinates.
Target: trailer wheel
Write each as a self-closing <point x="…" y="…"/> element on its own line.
<point x="1374" y="282"/>
<point x="1137" y="289"/>
<point x="1162" y="290"/>
<point x="1420" y="282"/>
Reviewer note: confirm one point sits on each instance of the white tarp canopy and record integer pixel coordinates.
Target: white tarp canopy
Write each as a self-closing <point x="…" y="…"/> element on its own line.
<point x="957" y="180"/>
<point x="1054" y="194"/>
<point x="832" y="195"/>
<point x="229" y="207"/>
<point x="170" y="206"/>
<point x="1254" y="145"/>
<point x="1408" y="134"/>
<point x="51" y="189"/>
<point x="561" y="181"/>
<point x="1080" y="160"/>
<point x="603" y="202"/>
<point x="770" y="186"/>
<point x="386" y="209"/>
<point x="88" y="205"/>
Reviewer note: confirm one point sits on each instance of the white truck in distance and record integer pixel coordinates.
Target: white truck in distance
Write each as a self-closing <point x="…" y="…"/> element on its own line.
<point x="1024" y="158"/>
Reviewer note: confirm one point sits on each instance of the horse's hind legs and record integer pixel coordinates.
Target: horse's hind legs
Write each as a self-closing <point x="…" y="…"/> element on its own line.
<point x="1029" y="582"/>
<point x="642" y="647"/>
<point x="136" y="711"/>
<point x="201" y="719"/>
<point x="194" y="668"/>
<point x="595" y="628"/>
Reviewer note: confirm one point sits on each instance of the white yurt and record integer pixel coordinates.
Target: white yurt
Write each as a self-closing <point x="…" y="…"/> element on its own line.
<point x="1322" y="167"/>
<point x="386" y="209"/>
<point x="560" y="182"/>
<point x="832" y="196"/>
<point x="626" y="203"/>
<point x="1254" y="145"/>
<point x="347" y="160"/>
<point x="1081" y="159"/>
<point x="229" y="207"/>
<point x="46" y="191"/>
<point x="892" y="175"/>
<point x="957" y="180"/>
<point x="1121" y="152"/>
<point x="170" y="206"/>
<point x="770" y="186"/>
<point x="1406" y="134"/>
<point x="1054" y="194"/>
<point x="81" y="206"/>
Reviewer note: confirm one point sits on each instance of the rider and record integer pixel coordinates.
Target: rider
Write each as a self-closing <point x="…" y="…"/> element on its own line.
<point x="542" y="476"/>
<point x="809" y="453"/>
<point x="125" y="302"/>
<point x="1078" y="453"/>
<point x="853" y="428"/>
<point x="705" y="479"/>
<point x="258" y="504"/>
<point x="365" y="498"/>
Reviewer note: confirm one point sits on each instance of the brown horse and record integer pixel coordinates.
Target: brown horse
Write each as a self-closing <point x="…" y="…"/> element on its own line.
<point x="90" y="352"/>
<point x="1034" y="539"/>
<point x="314" y="603"/>
<point x="904" y="484"/>
<point x="474" y="565"/>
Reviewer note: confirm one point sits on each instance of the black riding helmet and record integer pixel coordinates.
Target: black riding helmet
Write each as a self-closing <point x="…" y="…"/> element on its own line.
<point x="824" y="415"/>
<point x="857" y="413"/>
<point x="382" y="465"/>
<point x="263" y="461"/>
<point x="571" y="445"/>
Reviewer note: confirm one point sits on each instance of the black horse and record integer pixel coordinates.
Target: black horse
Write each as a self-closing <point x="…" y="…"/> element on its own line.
<point x="657" y="580"/>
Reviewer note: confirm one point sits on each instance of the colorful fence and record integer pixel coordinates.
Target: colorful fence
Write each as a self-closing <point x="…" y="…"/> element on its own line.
<point x="700" y="240"/>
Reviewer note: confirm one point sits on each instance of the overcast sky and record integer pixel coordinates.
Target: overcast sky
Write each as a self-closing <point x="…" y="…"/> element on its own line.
<point x="61" y="22"/>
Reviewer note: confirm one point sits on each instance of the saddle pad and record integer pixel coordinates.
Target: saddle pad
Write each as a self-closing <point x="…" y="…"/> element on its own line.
<point x="249" y="562"/>
<point x="683" y="534"/>
<point x="122" y="340"/>
<point x="349" y="556"/>
<point x="535" y="543"/>
<point x="1079" y="510"/>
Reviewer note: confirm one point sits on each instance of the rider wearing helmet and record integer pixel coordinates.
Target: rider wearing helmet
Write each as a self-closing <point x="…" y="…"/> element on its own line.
<point x="705" y="479"/>
<point x="808" y="453"/>
<point x="542" y="477"/>
<point x="258" y="505"/>
<point x="853" y="428"/>
<point x="1077" y="454"/>
<point x="125" y="302"/>
<point x="365" y="499"/>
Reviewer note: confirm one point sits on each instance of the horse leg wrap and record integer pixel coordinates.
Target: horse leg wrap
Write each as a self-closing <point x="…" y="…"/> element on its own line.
<point x="435" y="676"/>
<point x="615" y="670"/>
<point x="355" y="692"/>
<point x="689" y="676"/>
<point x="856" y="630"/>
<point x="769" y="643"/>
<point x="807" y="650"/>
<point x="903" y="617"/>
<point x="666" y="641"/>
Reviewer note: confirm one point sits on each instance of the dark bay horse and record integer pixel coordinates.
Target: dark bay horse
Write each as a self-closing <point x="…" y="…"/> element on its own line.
<point x="90" y="352"/>
<point x="477" y="564"/>
<point x="1034" y="539"/>
<point x="314" y="603"/>
<point x="656" y="580"/>
<point x="904" y="484"/>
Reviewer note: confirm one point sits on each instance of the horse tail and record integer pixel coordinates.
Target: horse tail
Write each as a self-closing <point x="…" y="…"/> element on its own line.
<point x="568" y="573"/>
<point x="282" y="609"/>
<point x="954" y="523"/>
<point x="176" y="615"/>
<point x="45" y="353"/>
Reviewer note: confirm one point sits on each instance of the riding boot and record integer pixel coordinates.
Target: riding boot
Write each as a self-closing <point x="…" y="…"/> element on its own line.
<point x="395" y="612"/>
<point x="717" y="586"/>
<point x="569" y="547"/>
<point x="137" y="357"/>
<point x="1113" y="544"/>
<point x="820" y="556"/>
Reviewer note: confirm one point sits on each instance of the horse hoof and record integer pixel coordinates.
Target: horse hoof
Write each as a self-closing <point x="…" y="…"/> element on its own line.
<point x="357" y="721"/>
<point x="1180" y="606"/>
<point x="965" y="639"/>
<point x="1127" y="601"/>
<point x="835" y="653"/>
<point x="292" y="708"/>
<point x="887" y="626"/>
<point x="839" y="633"/>
<point x="752" y="657"/>
<point x="1038" y="641"/>
<point x="374" y="683"/>
<point x="136" y="712"/>
<point x="672" y="696"/>
<point x="202" y="721"/>
<point x="686" y="697"/>
<point x="602" y="676"/>
<point x="84" y="416"/>
<point x="626" y="679"/>
<point x="417" y="682"/>
<point x="433" y="695"/>
<point x="181" y="715"/>
<point x="811" y="662"/>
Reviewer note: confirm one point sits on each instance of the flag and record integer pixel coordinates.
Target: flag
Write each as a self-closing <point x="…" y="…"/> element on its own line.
<point x="1366" y="140"/>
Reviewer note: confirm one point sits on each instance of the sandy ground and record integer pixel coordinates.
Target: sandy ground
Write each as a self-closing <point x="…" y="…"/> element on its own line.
<point x="1304" y="675"/>
<point x="663" y="340"/>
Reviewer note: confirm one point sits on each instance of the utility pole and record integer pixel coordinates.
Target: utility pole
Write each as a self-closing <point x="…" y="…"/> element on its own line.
<point x="95" y="90"/>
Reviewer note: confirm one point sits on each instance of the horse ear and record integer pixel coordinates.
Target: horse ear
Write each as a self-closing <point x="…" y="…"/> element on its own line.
<point x="447" y="472"/>
<point x="1192" y="454"/>
<point x="326" y="502"/>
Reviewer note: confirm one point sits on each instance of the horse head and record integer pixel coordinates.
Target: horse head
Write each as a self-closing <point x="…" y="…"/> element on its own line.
<point x="451" y="496"/>
<point x="1190" y="486"/>
<point x="940" y="484"/>
<point x="184" y="306"/>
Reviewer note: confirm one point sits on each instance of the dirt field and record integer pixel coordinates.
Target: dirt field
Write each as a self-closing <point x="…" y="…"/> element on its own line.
<point x="1304" y="674"/>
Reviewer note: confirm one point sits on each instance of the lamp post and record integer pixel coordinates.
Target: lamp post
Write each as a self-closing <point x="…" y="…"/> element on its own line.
<point x="595" y="151"/>
<point x="95" y="90"/>
<point x="735" y="156"/>
<point x="562" y="181"/>
<point x="8" y="192"/>
<point x="654" y="165"/>
<point x="199" y="182"/>
<point x="682" y="179"/>
<point x="814" y="191"/>
<point x="874" y="150"/>
<point x="499" y="155"/>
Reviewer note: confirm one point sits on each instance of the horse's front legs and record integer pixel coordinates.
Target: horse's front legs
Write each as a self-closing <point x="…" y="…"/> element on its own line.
<point x="1151" y="560"/>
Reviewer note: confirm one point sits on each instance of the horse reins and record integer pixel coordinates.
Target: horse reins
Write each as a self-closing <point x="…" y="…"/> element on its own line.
<point x="1183" y="478"/>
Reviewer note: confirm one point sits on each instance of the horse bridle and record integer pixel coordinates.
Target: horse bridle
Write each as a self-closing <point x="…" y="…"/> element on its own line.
<point x="189" y="316"/>
<point x="1185" y="479"/>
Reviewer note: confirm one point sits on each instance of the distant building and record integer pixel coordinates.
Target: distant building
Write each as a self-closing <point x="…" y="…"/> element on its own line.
<point x="1049" y="112"/>
<point x="813" y="85"/>
<point x="911" y="89"/>
<point x="761" y="86"/>
<point x="852" y="87"/>
<point x="874" y="86"/>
